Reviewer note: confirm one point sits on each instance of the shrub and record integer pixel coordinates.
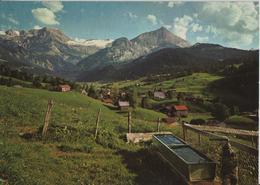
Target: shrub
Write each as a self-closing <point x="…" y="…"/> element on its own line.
<point x="198" y="121"/>
<point x="108" y="139"/>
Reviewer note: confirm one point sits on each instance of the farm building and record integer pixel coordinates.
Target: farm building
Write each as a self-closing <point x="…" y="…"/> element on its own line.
<point x="123" y="105"/>
<point x="107" y="100"/>
<point x="106" y="93"/>
<point x="159" y="95"/>
<point x="180" y="110"/>
<point x="64" y="88"/>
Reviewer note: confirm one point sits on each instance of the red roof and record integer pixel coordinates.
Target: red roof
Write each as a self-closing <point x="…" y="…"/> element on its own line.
<point x="180" y="107"/>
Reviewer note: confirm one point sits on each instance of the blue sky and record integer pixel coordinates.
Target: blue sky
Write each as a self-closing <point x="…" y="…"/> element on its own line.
<point x="233" y="24"/>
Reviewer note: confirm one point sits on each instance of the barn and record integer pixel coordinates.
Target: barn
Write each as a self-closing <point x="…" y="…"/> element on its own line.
<point x="123" y="105"/>
<point x="159" y="95"/>
<point x="64" y="88"/>
<point x="180" y="110"/>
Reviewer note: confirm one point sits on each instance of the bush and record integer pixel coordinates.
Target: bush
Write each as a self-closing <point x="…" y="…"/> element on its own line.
<point x="108" y="139"/>
<point x="220" y="111"/>
<point x="198" y="121"/>
<point x="64" y="133"/>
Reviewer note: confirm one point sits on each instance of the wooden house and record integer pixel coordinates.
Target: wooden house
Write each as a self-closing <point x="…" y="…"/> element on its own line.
<point x="123" y="105"/>
<point x="159" y="95"/>
<point x="64" y="88"/>
<point x="180" y="110"/>
<point x="107" y="100"/>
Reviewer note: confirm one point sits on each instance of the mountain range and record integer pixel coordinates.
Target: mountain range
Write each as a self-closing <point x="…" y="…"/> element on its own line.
<point x="49" y="50"/>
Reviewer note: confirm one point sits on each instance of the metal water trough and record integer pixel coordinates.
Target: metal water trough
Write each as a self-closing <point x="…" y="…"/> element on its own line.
<point x="187" y="161"/>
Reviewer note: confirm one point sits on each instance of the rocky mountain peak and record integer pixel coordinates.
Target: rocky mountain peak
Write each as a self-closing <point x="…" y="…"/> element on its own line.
<point x="160" y="37"/>
<point x="122" y="42"/>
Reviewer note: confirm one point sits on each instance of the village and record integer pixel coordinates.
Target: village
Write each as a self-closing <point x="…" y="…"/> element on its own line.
<point x="172" y="104"/>
<point x="174" y="113"/>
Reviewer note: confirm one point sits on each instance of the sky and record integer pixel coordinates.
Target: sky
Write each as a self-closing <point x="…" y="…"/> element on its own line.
<point x="231" y="24"/>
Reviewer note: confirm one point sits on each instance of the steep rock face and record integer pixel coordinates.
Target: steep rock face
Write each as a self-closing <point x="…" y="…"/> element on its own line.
<point x="160" y="38"/>
<point x="47" y="48"/>
<point x="124" y="50"/>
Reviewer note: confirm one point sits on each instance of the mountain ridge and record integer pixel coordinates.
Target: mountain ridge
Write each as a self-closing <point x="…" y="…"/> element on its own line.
<point x="125" y="50"/>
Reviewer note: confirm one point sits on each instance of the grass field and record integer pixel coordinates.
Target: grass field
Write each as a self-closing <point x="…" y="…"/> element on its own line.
<point x="69" y="154"/>
<point x="195" y="84"/>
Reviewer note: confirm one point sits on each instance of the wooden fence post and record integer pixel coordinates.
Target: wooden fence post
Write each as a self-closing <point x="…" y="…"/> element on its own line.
<point x="158" y="124"/>
<point x="47" y="117"/>
<point x="252" y="141"/>
<point x="97" y="122"/>
<point x="229" y="166"/>
<point x="129" y="122"/>
<point x="184" y="131"/>
<point x="199" y="139"/>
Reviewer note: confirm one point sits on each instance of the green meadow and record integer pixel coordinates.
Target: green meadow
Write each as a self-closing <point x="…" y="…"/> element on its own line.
<point x="69" y="154"/>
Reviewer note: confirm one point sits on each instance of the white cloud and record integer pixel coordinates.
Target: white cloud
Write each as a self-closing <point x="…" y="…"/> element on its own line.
<point x="211" y="29"/>
<point x="241" y="16"/>
<point x="171" y="4"/>
<point x="2" y="32"/>
<point x="132" y="15"/>
<point x="235" y="23"/>
<point x="181" y="26"/>
<point x="195" y="27"/>
<point x="44" y="15"/>
<point x="202" y="39"/>
<point x="12" y="20"/>
<point x="37" y="27"/>
<point x="54" y="6"/>
<point x="9" y="18"/>
<point x="195" y="15"/>
<point x="152" y="19"/>
<point x="236" y="39"/>
<point x="167" y="26"/>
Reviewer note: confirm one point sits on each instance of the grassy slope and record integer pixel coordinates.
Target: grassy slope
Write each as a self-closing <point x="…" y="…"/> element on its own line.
<point x="82" y="160"/>
<point x="195" y="84"/>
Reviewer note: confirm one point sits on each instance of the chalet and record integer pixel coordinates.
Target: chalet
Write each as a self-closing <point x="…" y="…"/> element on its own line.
<point x="64" y="88"/>
<point x="180" y="110"/>
<point x="123" y="105"/>
<point x="106" y="93"/>
<point x="159" y="95"/>
<point x="107" y="100"/>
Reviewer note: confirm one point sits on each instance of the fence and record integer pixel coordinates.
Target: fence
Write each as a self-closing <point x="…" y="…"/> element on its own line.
<point x="212" y="145"/>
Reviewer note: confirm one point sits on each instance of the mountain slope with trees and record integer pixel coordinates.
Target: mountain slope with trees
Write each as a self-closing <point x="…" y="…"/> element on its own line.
<point x="198" y="58"/>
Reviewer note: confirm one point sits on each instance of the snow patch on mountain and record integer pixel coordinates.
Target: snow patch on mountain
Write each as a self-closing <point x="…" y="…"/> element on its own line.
<point x="2" y="32"/>
<point x="96" y="43"/>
